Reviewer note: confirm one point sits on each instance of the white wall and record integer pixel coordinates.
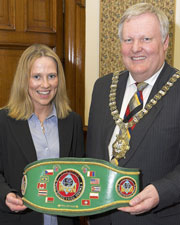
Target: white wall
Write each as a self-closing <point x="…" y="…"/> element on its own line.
<point x="92" y="50"/>
<point x="177" y="37"/>
<point x="92" y="47"/>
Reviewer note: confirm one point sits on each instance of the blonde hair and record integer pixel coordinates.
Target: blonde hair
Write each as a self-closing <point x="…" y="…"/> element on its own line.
<point x="142" y="8"/>
<point x="20" y="104"/>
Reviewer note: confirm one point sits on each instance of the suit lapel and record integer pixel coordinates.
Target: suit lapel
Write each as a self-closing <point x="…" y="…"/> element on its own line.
<point x="140" y="132"/>
<point x="65" y="136"/>
<point x="22" y="135"/>
<point x="141" y="129"/>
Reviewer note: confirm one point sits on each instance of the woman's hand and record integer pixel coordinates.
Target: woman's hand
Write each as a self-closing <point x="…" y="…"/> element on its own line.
<point x="14" y="202"/>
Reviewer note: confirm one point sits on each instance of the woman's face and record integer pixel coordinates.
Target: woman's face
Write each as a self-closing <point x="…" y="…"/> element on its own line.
<point x="43" y="82"/>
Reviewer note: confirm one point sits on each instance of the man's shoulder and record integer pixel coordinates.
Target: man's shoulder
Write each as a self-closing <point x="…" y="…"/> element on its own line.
<point x="106" y="79"/>
<point x="169" y="70"/>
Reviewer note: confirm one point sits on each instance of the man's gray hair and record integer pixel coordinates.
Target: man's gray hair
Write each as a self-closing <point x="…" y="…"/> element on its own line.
<point x="142" y="8"/>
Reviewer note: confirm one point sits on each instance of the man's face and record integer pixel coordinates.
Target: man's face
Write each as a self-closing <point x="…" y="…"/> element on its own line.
<point x="142" y="48"/>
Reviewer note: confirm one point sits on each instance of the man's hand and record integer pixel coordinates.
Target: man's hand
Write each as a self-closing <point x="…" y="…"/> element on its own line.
<point x="14" y="202"/>
<point x="146" y="200"/>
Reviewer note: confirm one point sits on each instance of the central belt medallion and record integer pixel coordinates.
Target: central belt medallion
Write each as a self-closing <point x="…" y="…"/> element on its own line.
<point x="69" y="185"/>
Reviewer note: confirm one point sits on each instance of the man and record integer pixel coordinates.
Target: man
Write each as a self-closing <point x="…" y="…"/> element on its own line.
<point x="153" y="144"/>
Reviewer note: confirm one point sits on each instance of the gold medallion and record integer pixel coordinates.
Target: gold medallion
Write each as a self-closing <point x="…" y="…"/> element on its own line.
<point x="121" y="144"/>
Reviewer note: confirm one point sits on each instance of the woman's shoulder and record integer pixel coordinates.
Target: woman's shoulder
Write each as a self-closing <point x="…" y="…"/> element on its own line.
<point x="73" y="115"/>
<point x="3" y="118"/>
<point x="3" y="113"/>
<point x="73" y="119"/>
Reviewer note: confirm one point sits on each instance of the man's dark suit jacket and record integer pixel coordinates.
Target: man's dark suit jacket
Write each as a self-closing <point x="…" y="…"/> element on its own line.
<point x="17" y="150"/>
<point x="154" y="148"/>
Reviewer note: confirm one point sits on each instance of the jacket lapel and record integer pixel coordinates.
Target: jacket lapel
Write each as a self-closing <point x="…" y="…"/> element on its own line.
<point x="22" y="135"/>
<point x="141" y="129"/>
<point x="140" y="132"/>
<point x="65" y="136"/>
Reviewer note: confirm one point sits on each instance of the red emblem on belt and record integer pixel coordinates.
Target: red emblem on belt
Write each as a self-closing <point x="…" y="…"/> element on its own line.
<point x="126" y="187"/>
<point x="69" y="185"/>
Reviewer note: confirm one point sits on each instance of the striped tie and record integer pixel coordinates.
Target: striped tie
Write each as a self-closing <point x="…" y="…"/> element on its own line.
<point x="135" y="104"/>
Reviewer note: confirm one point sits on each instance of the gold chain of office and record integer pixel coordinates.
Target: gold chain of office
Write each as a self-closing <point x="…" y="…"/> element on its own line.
<point x="121" y="144"/>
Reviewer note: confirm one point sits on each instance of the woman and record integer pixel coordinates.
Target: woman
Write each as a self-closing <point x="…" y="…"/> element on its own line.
<point x="37" y="123"/>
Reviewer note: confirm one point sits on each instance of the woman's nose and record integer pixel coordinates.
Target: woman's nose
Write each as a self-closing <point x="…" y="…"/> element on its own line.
<point x="45" y="83"/>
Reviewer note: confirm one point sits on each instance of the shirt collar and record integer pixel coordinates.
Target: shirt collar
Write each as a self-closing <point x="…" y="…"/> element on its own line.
<point x="150" y="81"/>
<point x="52" y="114"/>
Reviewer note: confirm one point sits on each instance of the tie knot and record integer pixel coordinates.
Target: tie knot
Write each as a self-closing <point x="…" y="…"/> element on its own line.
<point x="141" y="86"/>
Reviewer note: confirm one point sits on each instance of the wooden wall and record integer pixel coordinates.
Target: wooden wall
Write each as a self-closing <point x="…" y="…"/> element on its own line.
<point x="74" y="53"/>
<point x="59" y="24"/>
<point x="23" y="23"/>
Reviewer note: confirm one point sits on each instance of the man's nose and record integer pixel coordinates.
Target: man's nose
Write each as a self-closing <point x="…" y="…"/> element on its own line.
<point x="137" y="46"/>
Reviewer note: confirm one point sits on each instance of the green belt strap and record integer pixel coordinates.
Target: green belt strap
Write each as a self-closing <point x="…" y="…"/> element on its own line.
<point x="77" y="186"/>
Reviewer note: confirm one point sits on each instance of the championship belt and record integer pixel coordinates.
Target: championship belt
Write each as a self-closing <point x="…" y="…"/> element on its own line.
<point x="77" y="186"/>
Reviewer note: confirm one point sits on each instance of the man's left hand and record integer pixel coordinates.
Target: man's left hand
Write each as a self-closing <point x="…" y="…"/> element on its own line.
<point x="146" y="200"/>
